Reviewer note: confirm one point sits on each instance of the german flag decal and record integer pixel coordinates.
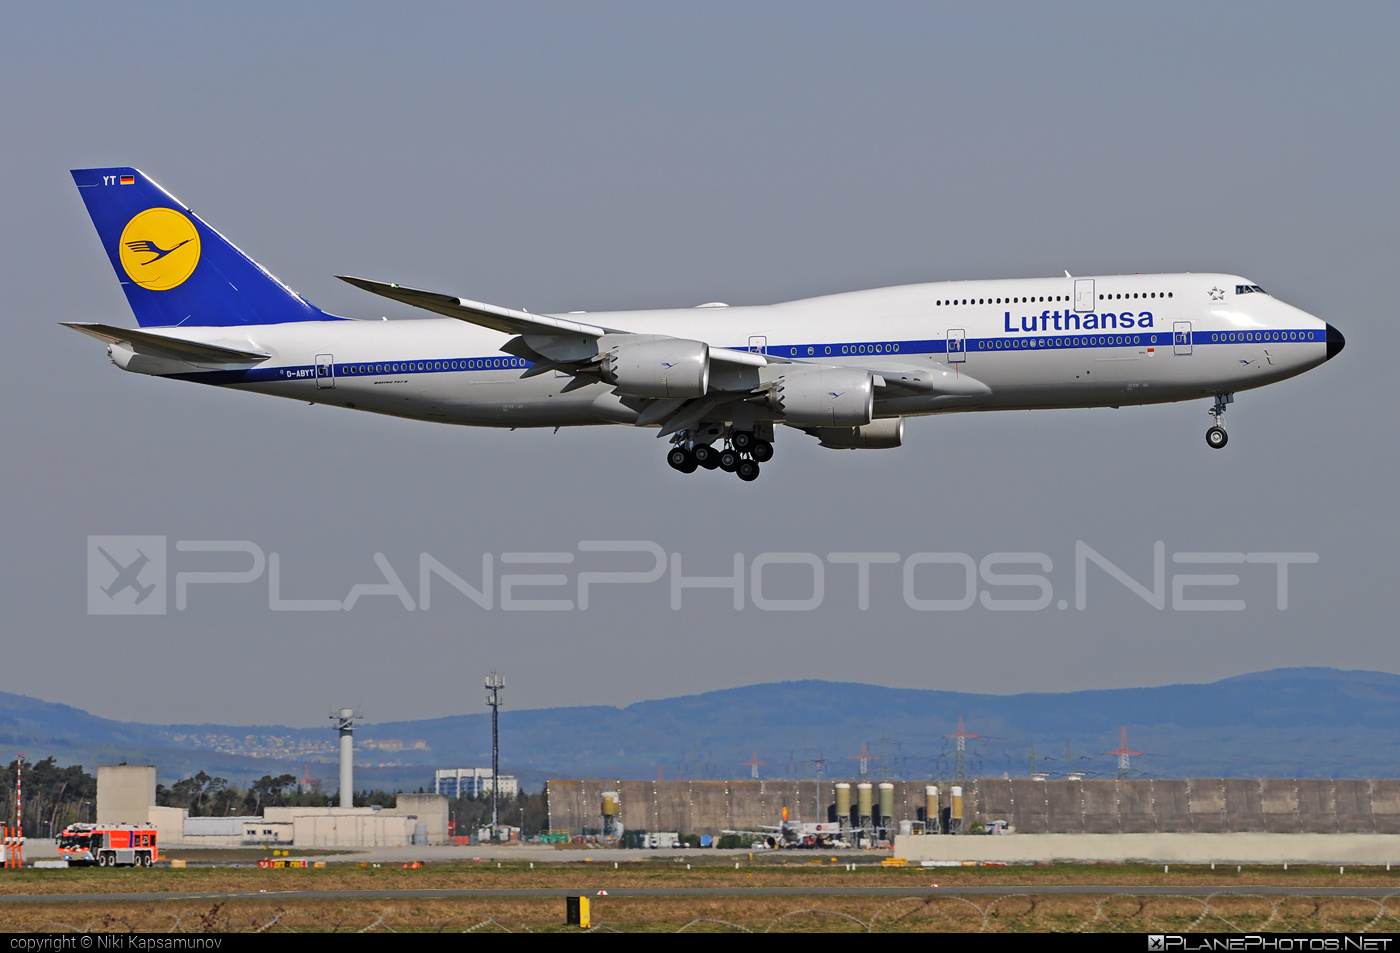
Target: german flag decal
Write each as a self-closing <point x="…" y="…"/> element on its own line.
<point x="128" y="180"/>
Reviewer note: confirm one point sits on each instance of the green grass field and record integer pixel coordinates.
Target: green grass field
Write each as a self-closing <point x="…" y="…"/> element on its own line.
<point x="263" y="904"/>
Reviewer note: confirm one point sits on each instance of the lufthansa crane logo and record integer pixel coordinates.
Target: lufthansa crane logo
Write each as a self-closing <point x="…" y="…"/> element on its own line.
<point x="159" y="248"/>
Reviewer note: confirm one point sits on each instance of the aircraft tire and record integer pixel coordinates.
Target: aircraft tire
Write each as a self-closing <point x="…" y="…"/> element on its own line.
<point x="1216" y="437"/>
<point x="729" y="460"/>
<point x="706" y="456"/>
<point x="743" y="440"/>
<point x="680" y="458"/>
<point x="762" y="451"/>
<point x="747" y="471"/>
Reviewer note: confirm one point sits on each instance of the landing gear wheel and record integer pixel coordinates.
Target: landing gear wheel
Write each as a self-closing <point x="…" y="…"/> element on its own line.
<point x="729" y="460"/>
<point x="748" y="471"/>
<point x="743" y="440"/>
<point x="1216" y="437"/>
<point x="762" y="451"/>
<point x="706" y="456"/>
<point x="680" y="458"/>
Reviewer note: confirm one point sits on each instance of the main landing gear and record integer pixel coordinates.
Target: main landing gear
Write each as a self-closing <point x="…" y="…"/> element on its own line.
<point x="1216" y="437"/>
<point x="742" y="456"/>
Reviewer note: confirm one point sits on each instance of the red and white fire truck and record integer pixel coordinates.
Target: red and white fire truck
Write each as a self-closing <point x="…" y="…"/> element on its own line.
<point x="108" y="845"/>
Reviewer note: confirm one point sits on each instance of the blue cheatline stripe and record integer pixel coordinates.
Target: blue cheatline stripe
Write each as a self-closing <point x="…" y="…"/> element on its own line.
<point x="1020" y="342"/>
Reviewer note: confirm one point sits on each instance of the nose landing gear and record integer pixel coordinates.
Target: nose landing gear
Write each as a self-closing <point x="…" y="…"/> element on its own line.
<point x="1216" y="437"/>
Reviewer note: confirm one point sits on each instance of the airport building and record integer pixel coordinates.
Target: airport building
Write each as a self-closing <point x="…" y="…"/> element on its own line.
<point x="126" y="795"/>
<point x="471" y="782"/>
<point x="1188" y="820"/>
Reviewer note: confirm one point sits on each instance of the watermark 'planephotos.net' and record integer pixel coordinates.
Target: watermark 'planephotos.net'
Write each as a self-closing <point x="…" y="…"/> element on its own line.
<point x="128" y="575"/>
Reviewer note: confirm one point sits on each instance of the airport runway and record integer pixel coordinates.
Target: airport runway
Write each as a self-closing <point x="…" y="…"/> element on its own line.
<point x="853" y="891"/>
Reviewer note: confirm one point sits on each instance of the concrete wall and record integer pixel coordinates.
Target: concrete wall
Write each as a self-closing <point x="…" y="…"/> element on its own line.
<point x="125" y="793"/>
<point x="284" y="815"/>
<point x="1192" y="805"/>
<point x="169" y="823"/>
<point x="1221" y="848"/>
<point x="431" y="809"/>
<point x="348" y="826"/>
<point x="379" y="829"/>
<point x="690" y="807"/>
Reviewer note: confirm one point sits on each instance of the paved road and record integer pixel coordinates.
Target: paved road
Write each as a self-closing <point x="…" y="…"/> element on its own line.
<point x="852" y="891"/>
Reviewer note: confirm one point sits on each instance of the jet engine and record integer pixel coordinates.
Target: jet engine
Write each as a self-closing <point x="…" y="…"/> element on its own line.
<point x="884" y="434"/>
<point x="828" y="397"/>
<point x="655" y="366"/>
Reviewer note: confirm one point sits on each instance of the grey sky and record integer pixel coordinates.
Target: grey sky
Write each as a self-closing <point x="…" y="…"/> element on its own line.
<point x="604" y="156"/>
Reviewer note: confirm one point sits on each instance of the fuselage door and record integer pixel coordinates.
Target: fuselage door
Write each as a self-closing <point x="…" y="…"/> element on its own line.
<point x="1181" y="337"/>
<point x="758" y="343"/>
<point x="1084" y="294"/>
<point x="325" y="371"/>
<point x="957" y="345"/>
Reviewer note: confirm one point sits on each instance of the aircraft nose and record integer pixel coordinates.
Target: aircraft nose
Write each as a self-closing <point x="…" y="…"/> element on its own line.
<point x="1335" y="342"/>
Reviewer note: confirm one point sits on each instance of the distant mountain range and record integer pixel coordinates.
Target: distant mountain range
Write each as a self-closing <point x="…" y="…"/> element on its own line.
<point x="1303" y="722"/>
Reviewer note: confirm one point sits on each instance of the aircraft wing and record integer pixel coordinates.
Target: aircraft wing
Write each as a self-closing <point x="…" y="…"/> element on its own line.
<point x="475" y="312"/>
<point x="159" y="345"/>
<point x="524" y="323"/>
<point x="580" y="349"/>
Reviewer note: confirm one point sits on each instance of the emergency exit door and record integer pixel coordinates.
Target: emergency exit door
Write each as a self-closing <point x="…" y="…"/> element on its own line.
<point x="1083" y="294"/>
<point x="325" y="371"/>
<point x="1181" y="337"/>
<point x="957" y="345"/>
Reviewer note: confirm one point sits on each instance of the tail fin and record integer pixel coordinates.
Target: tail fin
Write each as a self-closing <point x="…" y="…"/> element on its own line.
<point x="174" y="268"/>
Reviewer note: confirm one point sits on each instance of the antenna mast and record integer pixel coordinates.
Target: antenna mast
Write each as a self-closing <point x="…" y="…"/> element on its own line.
<point x="494" y="684"/>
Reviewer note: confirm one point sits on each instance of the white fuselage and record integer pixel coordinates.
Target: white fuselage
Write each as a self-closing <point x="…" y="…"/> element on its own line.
<point x="1033" y="343"/>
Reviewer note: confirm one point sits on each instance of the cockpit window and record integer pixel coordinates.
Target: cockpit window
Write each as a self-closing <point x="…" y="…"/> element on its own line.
<point x="1249" y="290"/>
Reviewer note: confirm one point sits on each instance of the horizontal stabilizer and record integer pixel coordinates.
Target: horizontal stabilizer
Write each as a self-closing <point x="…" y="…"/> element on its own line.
<point x="175" y="349"/>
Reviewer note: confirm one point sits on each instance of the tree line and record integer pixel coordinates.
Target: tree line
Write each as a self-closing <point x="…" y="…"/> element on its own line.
<point x="53" y="797"/>
<point x="204" y="795"/>
<point x="529" y="812"/>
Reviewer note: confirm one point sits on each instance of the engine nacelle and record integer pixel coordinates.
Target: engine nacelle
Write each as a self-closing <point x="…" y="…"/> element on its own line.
<point x="883" y="434"/>
<point x="654" y="366"/>
<point x="830" y="397"/>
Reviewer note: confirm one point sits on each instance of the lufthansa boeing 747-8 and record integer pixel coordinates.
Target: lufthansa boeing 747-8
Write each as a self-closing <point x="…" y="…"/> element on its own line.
<point x="845" y="368"/>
